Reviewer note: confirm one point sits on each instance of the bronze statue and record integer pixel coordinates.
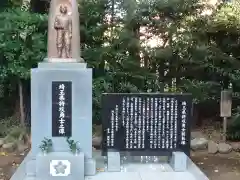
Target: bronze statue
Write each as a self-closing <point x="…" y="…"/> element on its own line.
<point x="63" y="26"/>
<point x="64" y="32"/>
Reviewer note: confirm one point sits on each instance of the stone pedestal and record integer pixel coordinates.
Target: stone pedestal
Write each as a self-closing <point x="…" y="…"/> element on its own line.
<point x="41" y="108"/>
<point x="114" y="161"/>
<point x="90" y="167"/>
<point x="179" y="161"/>
<point x="60" y="165"/>
<point x="41" y="105"/>
<point x="64" y="60"/>
<point x="62" y="65"/>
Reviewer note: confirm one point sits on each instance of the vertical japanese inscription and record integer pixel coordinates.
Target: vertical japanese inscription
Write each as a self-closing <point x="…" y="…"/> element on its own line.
<point x="159" y="118"/>
<point x="183" y="122"/>
<point x="61" y="109"/>
<point x="175" y="117"/>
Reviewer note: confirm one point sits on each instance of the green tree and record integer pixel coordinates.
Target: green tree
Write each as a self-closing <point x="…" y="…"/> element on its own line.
<point x="197" y="53"/>
<point x="23" y="44"/>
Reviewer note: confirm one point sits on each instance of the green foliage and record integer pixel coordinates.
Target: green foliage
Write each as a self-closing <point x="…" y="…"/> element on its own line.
<point x="6" y="125"/>
<point x="17" y="134"/>
<point x="73" y="145"/>
<point x="22" y="46"/>
<point x="213" y="54"/>
<point x="201" y="91"/>
<point x="197" y="53"/>
<point x="46" y="145"/>
<point x="22" y="42"/>
<point x="9" y="4"/>
<point x="233" y="131"/>
<point x="207" y="48"/>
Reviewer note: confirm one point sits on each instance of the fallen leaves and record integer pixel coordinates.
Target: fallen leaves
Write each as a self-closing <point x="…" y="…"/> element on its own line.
<point x="3" y="154"/>
<point x="100" y="169"/>
<point x="15" y="164"/>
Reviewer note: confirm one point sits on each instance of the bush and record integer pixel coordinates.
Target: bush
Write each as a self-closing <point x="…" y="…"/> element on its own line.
<point x="233" y="131"/>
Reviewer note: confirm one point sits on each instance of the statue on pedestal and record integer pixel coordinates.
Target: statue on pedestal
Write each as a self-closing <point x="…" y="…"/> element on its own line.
<point x="64" y="32"/>
<point x="63" y="26"/>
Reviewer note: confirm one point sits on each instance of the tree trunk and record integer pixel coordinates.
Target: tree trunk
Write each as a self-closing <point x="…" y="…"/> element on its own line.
<point x="21" y="104"/>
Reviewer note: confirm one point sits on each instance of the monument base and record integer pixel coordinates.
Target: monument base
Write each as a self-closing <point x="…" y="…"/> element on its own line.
<point x="113" y="161"/>
<point x="179" y="161"/>
<point x="129" y="171"/>
<point x="46" y="167"/>
<point x="44" y="106"/>
<point x="60" y="65"/>
<point x="44" y="121"/>
<point x="63" y="60"/>
<point x="60" y="164"/>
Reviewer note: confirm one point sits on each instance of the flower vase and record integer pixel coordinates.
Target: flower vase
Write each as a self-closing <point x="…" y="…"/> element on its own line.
<point x="44" y="152"/>
<point x="76" y="153"/>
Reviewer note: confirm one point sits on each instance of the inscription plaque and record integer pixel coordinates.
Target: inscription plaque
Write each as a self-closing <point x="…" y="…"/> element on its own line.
<point x="146" y="124"/>
<point x="61" y="109"/>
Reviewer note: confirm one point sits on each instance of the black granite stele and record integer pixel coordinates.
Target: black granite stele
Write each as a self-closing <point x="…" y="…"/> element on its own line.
<point x="146" y="124"/>
<point x="67" y="108"/>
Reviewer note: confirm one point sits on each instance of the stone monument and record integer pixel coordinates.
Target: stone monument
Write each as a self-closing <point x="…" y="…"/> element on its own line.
<point x="134" y="125"/>
<point x="61" y="104"/>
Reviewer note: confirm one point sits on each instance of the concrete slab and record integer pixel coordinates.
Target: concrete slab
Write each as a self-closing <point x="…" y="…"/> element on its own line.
<point x="115" y="176"/>
<point x="130" y="171"/>
<point x="136" y="167"/>
<point x="61" y="65"/>
<point x="20" y="172"/>
<point x="166" y="176"/>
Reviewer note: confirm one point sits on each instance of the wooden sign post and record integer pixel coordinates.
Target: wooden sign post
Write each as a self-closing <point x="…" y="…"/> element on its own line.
<point x="225" y="109"/>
